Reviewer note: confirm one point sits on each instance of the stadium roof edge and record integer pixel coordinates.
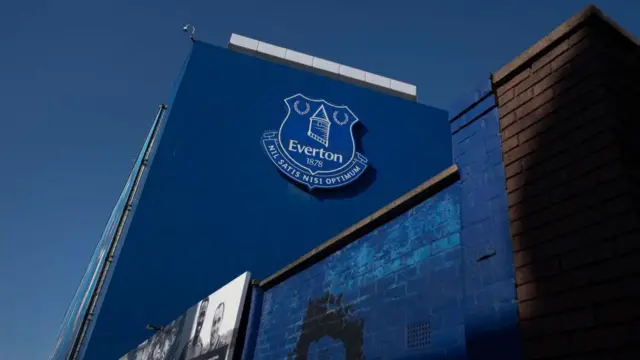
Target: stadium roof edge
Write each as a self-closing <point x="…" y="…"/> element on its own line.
<point x="325" y="67"/>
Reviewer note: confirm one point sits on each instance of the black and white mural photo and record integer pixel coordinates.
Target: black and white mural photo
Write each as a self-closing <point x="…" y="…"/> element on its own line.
<point x="207" y="331"/>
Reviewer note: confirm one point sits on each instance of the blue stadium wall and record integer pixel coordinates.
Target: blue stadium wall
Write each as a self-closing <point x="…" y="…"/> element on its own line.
<point x="212" y="205"/>
<point x="436" y="282"/>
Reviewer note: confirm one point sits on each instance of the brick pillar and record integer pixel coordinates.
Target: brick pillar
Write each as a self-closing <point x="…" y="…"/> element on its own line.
<point x="566" y="109"/>
<point x="490" y="311"/>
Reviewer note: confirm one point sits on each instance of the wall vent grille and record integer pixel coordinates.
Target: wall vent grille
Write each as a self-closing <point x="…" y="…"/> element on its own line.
<point x="418" y="334"/>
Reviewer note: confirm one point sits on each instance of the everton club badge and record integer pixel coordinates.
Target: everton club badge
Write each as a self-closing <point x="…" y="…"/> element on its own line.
<point x="314" y="145"/>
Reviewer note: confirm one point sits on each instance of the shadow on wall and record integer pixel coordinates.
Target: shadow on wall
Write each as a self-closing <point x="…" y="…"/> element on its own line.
<point x="331" y="329"/>
<point x="328" y="323"/>
<point x="565" y="130"/>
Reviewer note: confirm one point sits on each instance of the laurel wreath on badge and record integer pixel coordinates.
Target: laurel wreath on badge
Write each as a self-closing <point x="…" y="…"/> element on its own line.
<point x="297" y="109"/>
<point x="335" y="118"/>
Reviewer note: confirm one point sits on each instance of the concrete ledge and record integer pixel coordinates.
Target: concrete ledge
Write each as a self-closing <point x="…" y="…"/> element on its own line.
<point x="562" y="31"/>
<point x="366" y="225"/>
<point x="325" y="67"/>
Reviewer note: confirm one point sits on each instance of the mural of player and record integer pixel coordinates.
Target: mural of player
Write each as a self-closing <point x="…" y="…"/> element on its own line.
<point x="143" y="351"/>
<point x="207" y="331"/>
<point x="209" y="320"/>
<point x="214" y="341"/>
<point x="195" y="346"/>
<point x="165" y="341"/>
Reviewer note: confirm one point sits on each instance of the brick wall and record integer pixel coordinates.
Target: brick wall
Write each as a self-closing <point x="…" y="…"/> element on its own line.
<point x="491" y="322"/>
<point x="394" y="293"/>
<point x="570" y="159"/>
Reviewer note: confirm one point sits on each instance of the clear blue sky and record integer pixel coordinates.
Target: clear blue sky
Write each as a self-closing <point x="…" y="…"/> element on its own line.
<point x="80" y="82"/>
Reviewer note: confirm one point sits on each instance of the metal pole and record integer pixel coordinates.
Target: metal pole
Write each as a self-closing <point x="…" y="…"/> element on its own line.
<point x="79" y="340"/>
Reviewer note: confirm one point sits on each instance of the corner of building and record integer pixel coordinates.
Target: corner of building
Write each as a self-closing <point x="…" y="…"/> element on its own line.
<point x="566" y="109"/>
<point x="491" y="328"/>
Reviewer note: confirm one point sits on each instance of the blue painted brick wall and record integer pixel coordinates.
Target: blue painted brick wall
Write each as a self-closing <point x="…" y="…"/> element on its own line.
<point x="490" y="309"/>
<point x="367" y="294"/>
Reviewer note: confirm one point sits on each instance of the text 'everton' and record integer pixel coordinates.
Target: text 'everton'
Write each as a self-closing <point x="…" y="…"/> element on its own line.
<point x="308" y="150"/>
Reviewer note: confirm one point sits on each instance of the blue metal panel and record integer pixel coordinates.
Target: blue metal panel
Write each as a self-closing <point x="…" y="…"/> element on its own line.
<point x="214" y="205"/>
<point x="396" y="293"/>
